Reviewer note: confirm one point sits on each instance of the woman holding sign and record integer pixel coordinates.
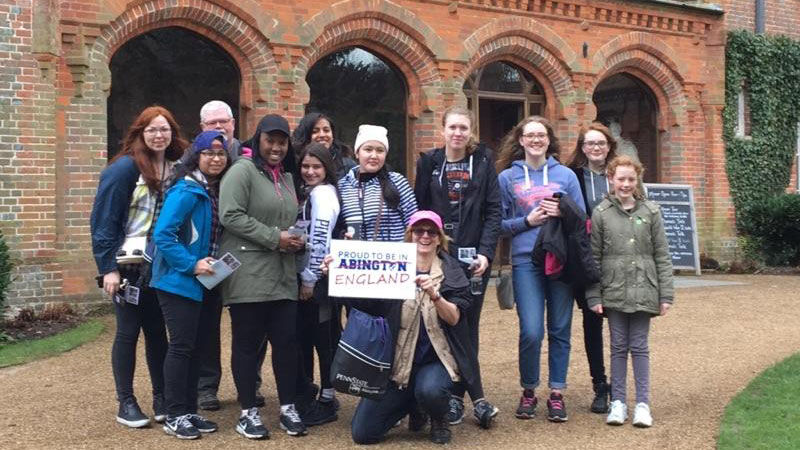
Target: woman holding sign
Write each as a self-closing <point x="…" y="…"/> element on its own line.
<point x="596" y="146"/>
<point x="186" y="238"/>
<point x="432" y="349"/>
<point x="376" y="203"/>
<point x="459" y="182"/>
<point x="531" y="184"/>
<point x="257" y="208"/>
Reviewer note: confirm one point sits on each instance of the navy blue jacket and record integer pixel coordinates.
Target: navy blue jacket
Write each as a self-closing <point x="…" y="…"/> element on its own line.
<point x="110" y="211"/>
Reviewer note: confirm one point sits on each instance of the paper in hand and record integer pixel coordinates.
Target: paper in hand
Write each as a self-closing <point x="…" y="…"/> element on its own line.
<point x="222" y="268"/>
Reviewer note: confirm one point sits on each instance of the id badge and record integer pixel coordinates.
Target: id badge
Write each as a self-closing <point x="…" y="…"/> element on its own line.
<point x="132" y="295"/>
<point x="467" y="254"/>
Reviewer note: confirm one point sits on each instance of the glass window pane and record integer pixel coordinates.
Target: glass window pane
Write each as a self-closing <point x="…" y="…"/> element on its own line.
<point x="501" y="77"/>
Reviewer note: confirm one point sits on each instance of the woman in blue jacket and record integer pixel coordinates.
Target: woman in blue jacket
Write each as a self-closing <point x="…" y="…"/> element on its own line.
<point x="186" y="237"/>
<point x="531" y="180"/>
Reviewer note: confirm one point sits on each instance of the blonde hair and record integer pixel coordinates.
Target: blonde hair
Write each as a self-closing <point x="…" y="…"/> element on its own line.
<point x="472" y="142"/>
<point x="444" y="240"/>
<point x="625" y="160"/>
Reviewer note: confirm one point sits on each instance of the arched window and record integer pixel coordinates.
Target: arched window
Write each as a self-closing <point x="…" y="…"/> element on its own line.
<point x="353" y="87"/>
<point x="501" y="94"/>
<point x="629" y="108"/>
<point x="175" y="68"/>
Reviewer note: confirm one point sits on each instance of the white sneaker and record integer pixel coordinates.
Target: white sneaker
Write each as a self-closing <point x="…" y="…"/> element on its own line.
<point x="642" y="417"/>
<point x="618" y="413"/>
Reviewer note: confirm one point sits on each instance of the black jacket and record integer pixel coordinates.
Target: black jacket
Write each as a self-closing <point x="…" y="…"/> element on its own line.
<point x="455" y="288"/>
<point x="568" y="241"/>
<point x="582" y="182"/>
<point x="481" y="211"/>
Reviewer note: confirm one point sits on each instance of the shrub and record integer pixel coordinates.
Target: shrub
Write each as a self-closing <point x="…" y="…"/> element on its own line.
<point x="774" y="229"/>
<point x="59" y="312"/>
<point x="5" y="273"/>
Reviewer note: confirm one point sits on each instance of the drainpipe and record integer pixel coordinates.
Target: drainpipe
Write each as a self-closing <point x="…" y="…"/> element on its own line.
<point x="760" y="16"/>
<point x="797" y="161"/>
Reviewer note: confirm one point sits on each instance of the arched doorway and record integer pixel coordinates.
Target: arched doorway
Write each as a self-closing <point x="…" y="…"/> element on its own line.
<point x="629" y="108"/>
<point x="501" y="94"/>
<point x="173" y="67"/>
<point x="354" y="86"/>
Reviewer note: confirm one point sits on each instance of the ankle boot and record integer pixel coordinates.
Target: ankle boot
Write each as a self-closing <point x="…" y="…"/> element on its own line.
<point x="602" y="391"/>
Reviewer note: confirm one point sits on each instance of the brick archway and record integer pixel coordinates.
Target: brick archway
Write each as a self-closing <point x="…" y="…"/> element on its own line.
<point x="238" y="35"/>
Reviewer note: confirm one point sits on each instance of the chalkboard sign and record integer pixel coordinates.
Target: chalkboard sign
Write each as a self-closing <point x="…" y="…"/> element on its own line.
<point x="677" y="209"/>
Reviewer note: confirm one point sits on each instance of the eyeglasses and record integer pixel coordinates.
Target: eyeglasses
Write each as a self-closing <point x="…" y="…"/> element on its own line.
<point x="419" y="232"/>
<point x="598" y="144"/>
<point x="213" y="123"/>
<point x="212" y="154"/>
<point x="531" y="136"/>
<point x="154" y="131"/>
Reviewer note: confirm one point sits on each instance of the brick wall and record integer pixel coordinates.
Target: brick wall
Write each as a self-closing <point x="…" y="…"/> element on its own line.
<point x="782" y="16"/>
<point x="55" y="80"/>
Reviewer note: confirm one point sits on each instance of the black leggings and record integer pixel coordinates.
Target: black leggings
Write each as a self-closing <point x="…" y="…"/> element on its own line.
<point x="189" y="323"/>
<point x="251" y="323"/>
<point x="145" y="316"/>
<point x="313" y="334"/>
<point x="592" y="339"/>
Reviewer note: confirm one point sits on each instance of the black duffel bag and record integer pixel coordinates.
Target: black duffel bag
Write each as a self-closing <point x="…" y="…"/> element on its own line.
<point x="363" y="360"/>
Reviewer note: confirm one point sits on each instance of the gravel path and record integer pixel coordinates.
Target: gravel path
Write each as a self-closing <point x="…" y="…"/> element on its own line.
<point x="706" y="350"/>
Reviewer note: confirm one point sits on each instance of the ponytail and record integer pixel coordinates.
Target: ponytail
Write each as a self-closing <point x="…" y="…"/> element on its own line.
<point x="390" y="194"/>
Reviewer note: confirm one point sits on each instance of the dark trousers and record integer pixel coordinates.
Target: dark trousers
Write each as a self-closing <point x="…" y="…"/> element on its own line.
<point x="313" y="334"/>
<point x="474" y="321"/>
<point x="252" y="323"/>
<point x="145" y="316"/>
<point x="187" y="321"/>
<point x="429" y="388"/>
<point x="592" y="339"/>
<point x="210" y="365"/>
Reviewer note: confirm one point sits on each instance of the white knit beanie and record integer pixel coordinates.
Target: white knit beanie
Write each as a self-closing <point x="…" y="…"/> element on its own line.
<point x="371" y="133"/>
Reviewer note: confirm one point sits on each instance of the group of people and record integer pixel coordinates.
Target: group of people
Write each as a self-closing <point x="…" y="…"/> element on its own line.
<point x="275" y="202"/>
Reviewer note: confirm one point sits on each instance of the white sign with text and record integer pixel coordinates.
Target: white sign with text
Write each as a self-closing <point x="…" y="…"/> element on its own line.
<point x="368" y="269"/>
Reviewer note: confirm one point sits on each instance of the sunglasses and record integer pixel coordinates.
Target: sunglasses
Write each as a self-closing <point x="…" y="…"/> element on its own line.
<point x="419" y="232"/>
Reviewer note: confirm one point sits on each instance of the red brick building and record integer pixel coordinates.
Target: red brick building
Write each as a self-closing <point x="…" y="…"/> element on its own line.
<point x="654" y="66"/>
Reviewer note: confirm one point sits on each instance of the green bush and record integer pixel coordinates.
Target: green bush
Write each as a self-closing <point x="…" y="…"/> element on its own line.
<point x="5" y="273"/>
<point x="774" y="228"/>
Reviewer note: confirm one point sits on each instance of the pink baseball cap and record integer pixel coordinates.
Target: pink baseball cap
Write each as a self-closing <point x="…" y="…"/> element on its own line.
<point x="425" y="215"/>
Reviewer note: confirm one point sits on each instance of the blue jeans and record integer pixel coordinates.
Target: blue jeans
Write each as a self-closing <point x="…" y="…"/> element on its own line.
<point x="429" y="387"/>
<point x="533" y="292"/>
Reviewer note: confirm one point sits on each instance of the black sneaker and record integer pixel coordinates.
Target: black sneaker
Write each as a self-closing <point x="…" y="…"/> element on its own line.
<point x="260" y="400"/>
<point x="484" y="413"/>
<point x="440" y="431"/>
<point x="335" y="401"/>
<point x="131" y="415"/>
<point x="556" y="409"/>
<point x="455" y="415"/>
<point x="291" y="422"/>
<point x="601" y="394"/>
<point x="417" y="419"/>
<point x="210" y="402"/>
<point x="320" y="412"/>
<point x="304" y="400"/>
<point x="159" y="410"/>
<point x="250" y="425"/>
<point x="527" y="407"/>
<point x="202" y="424"/>
<point x="181" y="427"/>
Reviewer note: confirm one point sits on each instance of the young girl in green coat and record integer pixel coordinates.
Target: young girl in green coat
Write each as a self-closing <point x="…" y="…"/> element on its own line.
<point x="630" y="245"/>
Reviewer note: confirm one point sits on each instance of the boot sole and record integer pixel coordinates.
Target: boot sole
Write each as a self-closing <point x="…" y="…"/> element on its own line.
<point x="134" y="423"/>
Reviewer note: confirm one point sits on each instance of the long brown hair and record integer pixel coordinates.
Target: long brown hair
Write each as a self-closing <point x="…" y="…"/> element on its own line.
<point x="134" y="146"/>
<point x="511" y="150"/>
<point x="579" y="159"/>
<point x="472" y="142"/>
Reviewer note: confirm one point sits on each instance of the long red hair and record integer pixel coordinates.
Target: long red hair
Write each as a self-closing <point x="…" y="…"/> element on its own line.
<point x="134" y="145"/>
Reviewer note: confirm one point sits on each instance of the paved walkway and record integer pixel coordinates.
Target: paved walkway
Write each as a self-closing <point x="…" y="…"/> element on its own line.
<point x="706" y="350"/>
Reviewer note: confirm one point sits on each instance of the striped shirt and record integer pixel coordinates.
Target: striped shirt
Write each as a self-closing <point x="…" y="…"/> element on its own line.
<point x="363" y="199"/>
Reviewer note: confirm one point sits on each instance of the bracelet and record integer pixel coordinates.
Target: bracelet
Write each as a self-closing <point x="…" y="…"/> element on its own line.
<point x="436" y="299"/>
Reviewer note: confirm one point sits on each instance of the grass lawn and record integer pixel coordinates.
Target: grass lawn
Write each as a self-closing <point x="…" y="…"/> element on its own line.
<point x="26" y="351"/>
<point x="766" y="414"/>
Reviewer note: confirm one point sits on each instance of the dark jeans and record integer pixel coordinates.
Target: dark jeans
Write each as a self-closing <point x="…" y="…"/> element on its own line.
<point x="473" y="321"/>
<point x="429" y="388"/>
<point x="592" y="339"/>
<point x="145" y="316"/>
<point x="210" y="366"/>
<point x="252" y="323"/>
<point x="187" y="321"/>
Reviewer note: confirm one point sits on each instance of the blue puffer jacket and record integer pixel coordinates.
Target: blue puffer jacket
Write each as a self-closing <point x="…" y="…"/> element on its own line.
<point x="182" y="236"/>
